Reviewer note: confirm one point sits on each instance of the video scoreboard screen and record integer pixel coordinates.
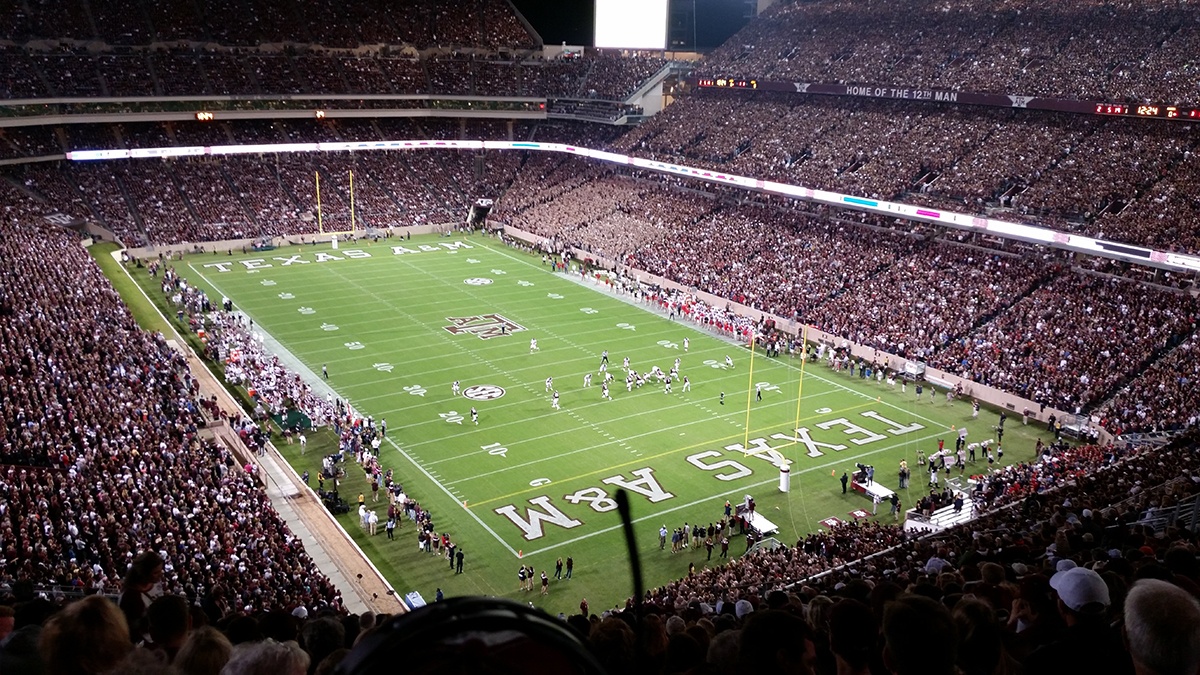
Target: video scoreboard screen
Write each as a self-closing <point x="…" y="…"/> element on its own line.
<point x="631" y="24"/>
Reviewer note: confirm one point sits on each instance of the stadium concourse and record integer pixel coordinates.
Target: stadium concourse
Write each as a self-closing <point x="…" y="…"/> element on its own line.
<point x="109" y="487"/>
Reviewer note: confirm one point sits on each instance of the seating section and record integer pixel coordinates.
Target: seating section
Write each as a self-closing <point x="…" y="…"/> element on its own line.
<point x="101" y="454"/>
<point x="1052" y="169"/>
<point x="1027" y="323"/>
<point x="100" y="451"/>
<point x="488" y="24"/>
<point x="1014" y="47"/>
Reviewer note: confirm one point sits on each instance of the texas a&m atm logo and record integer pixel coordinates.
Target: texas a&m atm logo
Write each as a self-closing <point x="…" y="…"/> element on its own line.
<point x="483" y="327"/>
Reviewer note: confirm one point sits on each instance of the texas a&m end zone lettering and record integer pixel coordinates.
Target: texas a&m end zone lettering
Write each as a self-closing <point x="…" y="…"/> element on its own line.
<point x="484" y="327"/>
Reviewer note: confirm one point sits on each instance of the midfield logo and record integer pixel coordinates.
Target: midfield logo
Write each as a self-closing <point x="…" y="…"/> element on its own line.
<point x="483" y="327"/>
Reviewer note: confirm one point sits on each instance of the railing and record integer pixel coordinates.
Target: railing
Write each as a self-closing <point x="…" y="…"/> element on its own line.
<point x="1185" y="514"/>
<point x="54" y="592"/>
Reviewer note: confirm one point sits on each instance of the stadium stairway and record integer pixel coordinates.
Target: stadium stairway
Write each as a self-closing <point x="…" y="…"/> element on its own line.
<point x="944" y="518"/>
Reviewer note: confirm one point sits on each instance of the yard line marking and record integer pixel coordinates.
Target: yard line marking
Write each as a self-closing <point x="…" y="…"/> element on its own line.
<point x="552" y="334"/>
<point x="526" y="421"/>
<point x="450" y="494"/>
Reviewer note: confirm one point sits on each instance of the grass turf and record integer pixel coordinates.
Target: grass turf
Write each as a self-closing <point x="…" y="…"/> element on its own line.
<point x="380" y="320"/>
<point x="143" y="312"/>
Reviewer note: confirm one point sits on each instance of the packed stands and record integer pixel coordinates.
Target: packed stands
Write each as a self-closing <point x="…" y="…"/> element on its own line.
<point x="1048" y="168"/>
<point x="103" y="460"/>
<point x="191" y="72"/>
<point x="488" y="24"/>
<point x="1025" y="324"/>
<point x="1014" y="47"/>
<point x="80" y="468"/>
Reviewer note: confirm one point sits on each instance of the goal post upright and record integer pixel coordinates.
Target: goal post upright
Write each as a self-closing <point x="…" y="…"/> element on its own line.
<point x="320" y="222"/>
<point x="352" y="228"/>
<point x="800" y="387"/>
<point x="749" y="394"/>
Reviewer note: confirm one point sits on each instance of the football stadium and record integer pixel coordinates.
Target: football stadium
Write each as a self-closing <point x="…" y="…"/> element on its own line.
<point x="603" y="337"/>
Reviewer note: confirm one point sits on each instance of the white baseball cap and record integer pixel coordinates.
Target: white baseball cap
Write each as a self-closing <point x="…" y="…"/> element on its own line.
<point x="1079" y="587"/>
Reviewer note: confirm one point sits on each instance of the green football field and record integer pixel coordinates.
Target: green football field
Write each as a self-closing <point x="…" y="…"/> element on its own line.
<point x="397" y="323"/>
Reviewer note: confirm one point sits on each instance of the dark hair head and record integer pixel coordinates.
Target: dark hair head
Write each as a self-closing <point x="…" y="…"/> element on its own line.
<point x="853" y="632"/>
<point x="143" y="570"/>
<point x="168" y="618"/>
<point x="980" y="638"/>
<point x="774" y="640"/>
<point x="907" y="623"/>
<point x="322" y="637"/>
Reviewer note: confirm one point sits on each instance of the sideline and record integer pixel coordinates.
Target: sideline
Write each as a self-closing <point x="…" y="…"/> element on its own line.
<point x="295" y="502"/>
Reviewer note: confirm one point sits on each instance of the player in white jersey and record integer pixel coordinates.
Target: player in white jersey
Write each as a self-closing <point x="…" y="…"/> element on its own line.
<point x="604" y="394"/>
<point x="676" y="363"/>
<point x="728" y="361"/>
<point x="587" y="379"/>
<point x="608" y="377"/>
<point x="687" y="384"/>
<point x="474" y="416"/>
<point x="685" y="344"/>
<point x="604" y="367"/>
<point x="549" y="383"/>
<point x="554" y="402"/>
<point x="533" y="345"/>
<point x="454" y="388"/>
<point x="625" y="365"/>
<point x="629" y="382"/>
<point x="667" y="389"/>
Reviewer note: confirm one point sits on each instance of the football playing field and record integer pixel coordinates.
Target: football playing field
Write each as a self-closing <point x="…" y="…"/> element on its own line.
<point x="397" y="323"/>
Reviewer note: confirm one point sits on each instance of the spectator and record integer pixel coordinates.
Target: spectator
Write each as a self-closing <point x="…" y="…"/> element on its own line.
<point x="138" y="590"/>
<point x="322" y="637"/>
<point x="204" y="653"/>
<point x="169" y="621"/>
<point x="779" y="640"/>
<point x="86" y="638"/>
<point x="267" y="658"/>
<point x="1088" y="643"/>
<point x="852" y="637"/>
<point x="981" y="640"/>
<point x="1162" y="628"/>
<point x="907" y="624"/>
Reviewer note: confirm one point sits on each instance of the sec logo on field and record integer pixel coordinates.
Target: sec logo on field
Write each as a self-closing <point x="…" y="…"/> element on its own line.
<point x="483" y="392"/>
<point x="477" y="281"/>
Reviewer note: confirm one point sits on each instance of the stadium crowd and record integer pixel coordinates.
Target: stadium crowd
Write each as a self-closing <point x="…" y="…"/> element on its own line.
<point x="34" y="74"/>
<point x="488" y="24"/>
<point x="102" y="456"/>
<point x="1026" y="166"/>
<point x="107" y="477"/>
<point x="1082" y="507"/>
<point x="1029" y="323"/>
<point x="1010" y="47"/>
<point x="1066" y="555"/>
